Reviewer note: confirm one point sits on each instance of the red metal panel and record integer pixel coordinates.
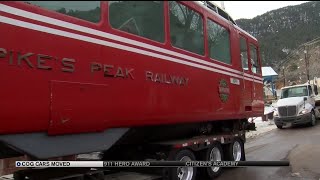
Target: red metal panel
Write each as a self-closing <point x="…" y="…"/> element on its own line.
<point x="78" y="107"/>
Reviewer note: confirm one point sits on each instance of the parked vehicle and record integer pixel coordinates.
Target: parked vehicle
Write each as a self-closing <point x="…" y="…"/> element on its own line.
<point x="297" y="105"/>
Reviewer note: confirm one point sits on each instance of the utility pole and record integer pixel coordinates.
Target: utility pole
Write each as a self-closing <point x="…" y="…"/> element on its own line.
<point x="284" y="77"/>
<point x="307" y="63"/>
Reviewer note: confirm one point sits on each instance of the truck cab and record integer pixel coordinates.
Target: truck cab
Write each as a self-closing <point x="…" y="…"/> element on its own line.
<point x="297" y="105"/>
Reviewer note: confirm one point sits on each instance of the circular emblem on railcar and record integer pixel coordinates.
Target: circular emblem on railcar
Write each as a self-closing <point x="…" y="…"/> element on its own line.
<point x="224" y="90"/>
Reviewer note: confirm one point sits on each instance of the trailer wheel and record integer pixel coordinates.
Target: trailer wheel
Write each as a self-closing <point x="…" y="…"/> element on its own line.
<point x="213" y="153"/>
<point x="235" y="150"/>
<point x="181" y="173"/>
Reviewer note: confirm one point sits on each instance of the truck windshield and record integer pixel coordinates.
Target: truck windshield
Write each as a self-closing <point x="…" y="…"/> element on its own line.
<point x="294" y="92"/>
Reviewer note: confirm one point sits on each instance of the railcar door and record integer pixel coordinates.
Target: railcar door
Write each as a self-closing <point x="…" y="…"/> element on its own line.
<point x="247" y="76"/>
<point x="257" y="90"/>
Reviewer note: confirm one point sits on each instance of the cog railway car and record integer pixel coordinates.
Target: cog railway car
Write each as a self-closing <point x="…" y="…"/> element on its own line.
<point x="87" y="76"/>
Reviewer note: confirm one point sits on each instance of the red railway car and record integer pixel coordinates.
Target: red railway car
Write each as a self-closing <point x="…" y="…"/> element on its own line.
<point x="80" y="77"/>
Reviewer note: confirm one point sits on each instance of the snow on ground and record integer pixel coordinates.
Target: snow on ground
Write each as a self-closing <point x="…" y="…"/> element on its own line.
<point x="261" y="127"/>
<point x="268" y="109"/>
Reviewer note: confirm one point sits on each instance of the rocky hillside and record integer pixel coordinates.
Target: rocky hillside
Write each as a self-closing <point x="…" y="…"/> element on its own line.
<point x="281" y="31"/>
<point x="293" y="68"/>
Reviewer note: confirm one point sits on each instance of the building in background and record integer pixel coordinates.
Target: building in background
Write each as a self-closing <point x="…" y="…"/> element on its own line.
<point x="269" y="76"/>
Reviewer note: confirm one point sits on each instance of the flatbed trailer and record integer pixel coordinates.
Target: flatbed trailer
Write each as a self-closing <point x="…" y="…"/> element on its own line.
<point x="164" y="150"/>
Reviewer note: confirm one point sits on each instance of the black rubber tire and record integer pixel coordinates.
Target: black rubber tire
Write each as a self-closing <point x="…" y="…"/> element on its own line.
<point x="207" y="172"/>
<point x="229" y="150"/>
<point x="170" y="173"/>
<point x="279" y="127"/>
<point x="314" y="116"/>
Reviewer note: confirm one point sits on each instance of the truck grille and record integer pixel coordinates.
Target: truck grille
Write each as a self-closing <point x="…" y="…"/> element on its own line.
<point x="287" y="111"/>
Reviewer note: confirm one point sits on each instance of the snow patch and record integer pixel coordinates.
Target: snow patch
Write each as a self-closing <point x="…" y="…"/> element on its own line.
<point x="261" y="127"/>
<point x="285" y="50"/>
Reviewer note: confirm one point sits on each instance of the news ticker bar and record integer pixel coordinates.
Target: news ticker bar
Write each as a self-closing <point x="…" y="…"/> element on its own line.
<point x="96" y="164"/>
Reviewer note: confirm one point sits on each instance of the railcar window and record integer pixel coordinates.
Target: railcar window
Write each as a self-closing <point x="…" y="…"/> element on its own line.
<point x="219" y="42"/>
<point x="142" y="18"/>
<point x="255" y="66"/>
<point x="86" y="10"/>
<point x="186" y="28"/>
<point x="244" y="53"/>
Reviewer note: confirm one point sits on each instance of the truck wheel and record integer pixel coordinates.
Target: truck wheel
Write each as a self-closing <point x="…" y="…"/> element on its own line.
<point x="279" y="126"/>
<point x="214" y="153"/>
<point x="313" y="119"/>
<point x="181" y="173"/>
<point x="235" y="150"/>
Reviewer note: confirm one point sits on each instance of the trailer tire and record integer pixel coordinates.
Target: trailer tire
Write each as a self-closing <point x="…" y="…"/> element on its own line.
<point x="214" y="150"/>
<point x="236" y="148"/>
<point x="180" y="173"/>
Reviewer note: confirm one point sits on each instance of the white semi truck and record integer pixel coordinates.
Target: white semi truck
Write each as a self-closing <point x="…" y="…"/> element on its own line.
<point x="297" y="105"/>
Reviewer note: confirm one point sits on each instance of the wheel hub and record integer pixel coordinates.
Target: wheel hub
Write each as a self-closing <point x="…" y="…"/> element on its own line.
<point x="215" y="155"/>
<point x="185" y="173"/>
<point x="236" y="151"/>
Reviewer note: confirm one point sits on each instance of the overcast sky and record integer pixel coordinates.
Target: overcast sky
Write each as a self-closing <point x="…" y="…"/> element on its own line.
<point x="251" y="9"/>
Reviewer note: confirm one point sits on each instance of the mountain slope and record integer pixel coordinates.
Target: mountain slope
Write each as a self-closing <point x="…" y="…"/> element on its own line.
<point x="281" y="31"/>
<point x="294" y="67"/>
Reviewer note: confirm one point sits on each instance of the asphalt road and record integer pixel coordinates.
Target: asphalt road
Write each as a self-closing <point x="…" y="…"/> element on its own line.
<point x="299" y="145"/>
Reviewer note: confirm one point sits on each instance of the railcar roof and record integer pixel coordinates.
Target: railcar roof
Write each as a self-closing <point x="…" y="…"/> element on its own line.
<point x="202" y="4"/>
